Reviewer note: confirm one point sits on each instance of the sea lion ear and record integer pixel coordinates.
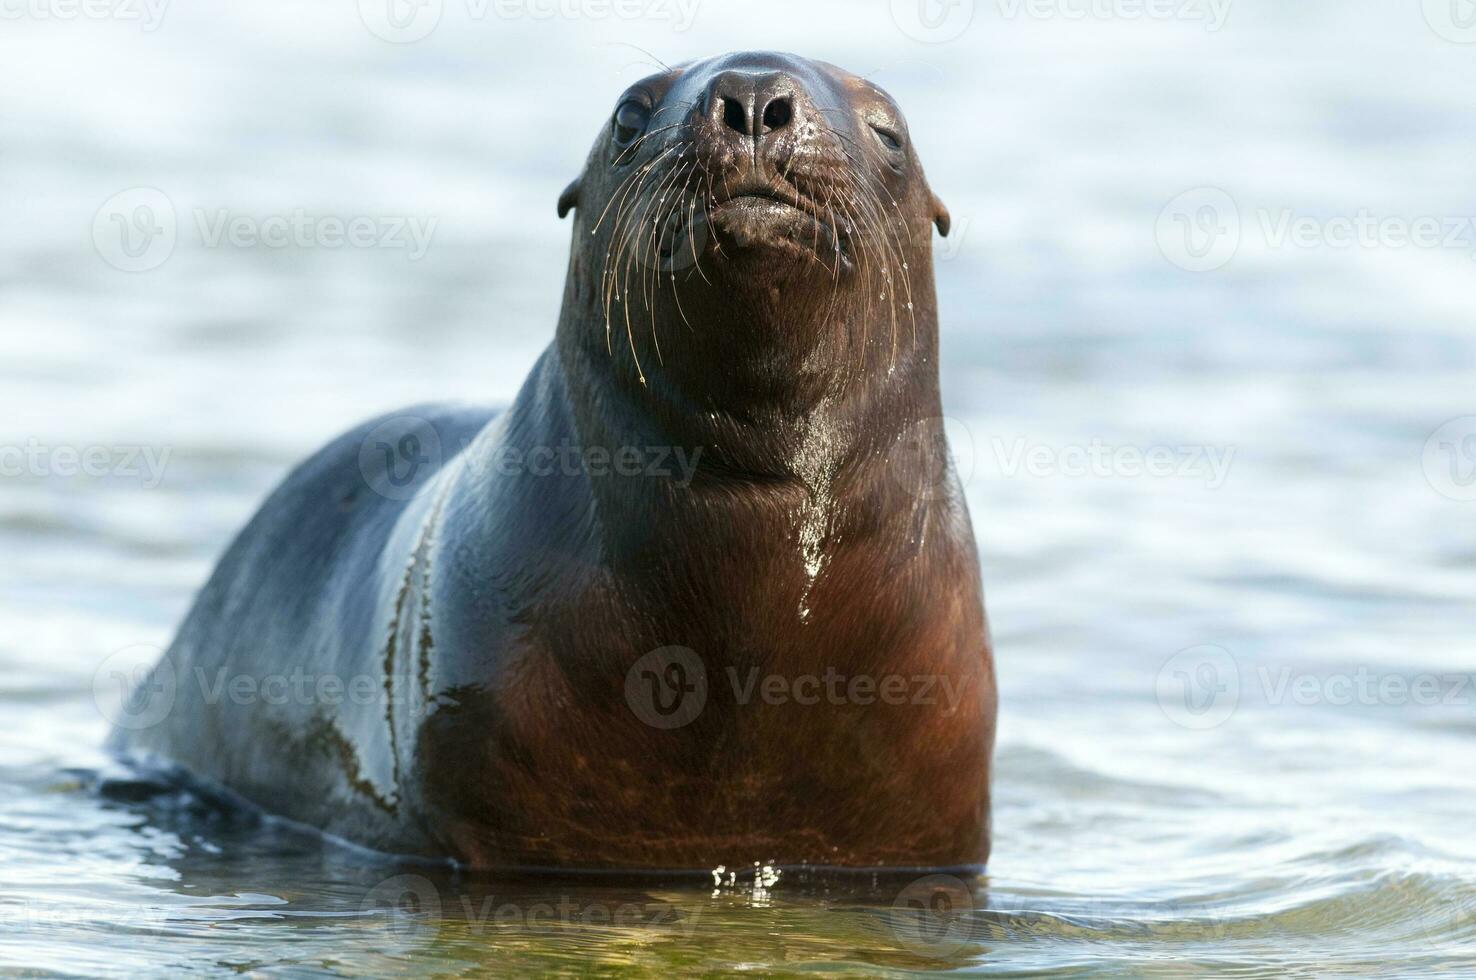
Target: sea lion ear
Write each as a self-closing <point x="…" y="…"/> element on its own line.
<point x="941" y="217"/>
<point x="569" y="200"/>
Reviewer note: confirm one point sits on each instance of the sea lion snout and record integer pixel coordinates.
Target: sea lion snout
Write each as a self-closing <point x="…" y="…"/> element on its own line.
<point x="747" y="106"/>
<point x="770" y="138"/>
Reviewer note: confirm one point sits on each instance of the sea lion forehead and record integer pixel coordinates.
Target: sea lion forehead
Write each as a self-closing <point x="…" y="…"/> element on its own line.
<point x="769" y="61"/>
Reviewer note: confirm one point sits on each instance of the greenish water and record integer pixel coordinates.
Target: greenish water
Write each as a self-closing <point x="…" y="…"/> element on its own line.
<point x="176" y="884"/>
<point x="1237" y="700"/>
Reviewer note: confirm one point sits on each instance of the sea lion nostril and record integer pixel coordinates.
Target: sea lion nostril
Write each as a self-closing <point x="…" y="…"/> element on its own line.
<point x="735" y="116"/>
<point x="778" y="114"/>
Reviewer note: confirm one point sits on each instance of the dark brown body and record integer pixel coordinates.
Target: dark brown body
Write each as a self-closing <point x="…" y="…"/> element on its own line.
<point x="506" y="612"/>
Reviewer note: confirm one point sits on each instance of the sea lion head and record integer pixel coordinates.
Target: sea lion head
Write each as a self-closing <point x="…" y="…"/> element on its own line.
<point x="756" y="221"/>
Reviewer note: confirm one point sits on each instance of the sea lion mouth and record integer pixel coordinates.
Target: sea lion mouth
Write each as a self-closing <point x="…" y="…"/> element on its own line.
<point x="756" y="215"/>
<point x="752" y="190"/>
<point x="762" y="204"/>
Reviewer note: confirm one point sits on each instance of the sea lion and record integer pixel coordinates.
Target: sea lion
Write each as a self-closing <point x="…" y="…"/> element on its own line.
<point x="706" y="594"/>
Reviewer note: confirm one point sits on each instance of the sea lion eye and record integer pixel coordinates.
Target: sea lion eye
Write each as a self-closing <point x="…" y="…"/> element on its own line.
<point x="630" y="121"/>
<point x="888" y="138"/>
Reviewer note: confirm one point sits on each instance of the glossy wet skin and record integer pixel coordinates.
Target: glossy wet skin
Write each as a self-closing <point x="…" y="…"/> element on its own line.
<point x="820" y="533"/>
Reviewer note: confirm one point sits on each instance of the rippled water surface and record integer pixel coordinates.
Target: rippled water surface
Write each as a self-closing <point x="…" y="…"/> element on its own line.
<point x="1237" y="722"/>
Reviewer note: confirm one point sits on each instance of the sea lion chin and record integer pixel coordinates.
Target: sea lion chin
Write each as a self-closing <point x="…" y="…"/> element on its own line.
<point x="706" y="593"/>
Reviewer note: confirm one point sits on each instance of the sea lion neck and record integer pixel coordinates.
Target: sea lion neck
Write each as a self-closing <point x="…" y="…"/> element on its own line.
<point x="754" y="410"/>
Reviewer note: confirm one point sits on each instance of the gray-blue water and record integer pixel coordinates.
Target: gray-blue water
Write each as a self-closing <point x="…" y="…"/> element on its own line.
<point x="1221" y="459"/>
